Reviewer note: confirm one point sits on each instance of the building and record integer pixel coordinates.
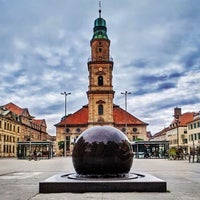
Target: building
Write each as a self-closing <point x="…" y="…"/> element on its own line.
<point x="9" y="133"/>
<point x="100" y="109"/>
<point x="183" y="132"/>
<point x="160" y="136"/>
<point x="17" y="125"/>
<point x="177" y="134"/>
<point x="193" y="128"/>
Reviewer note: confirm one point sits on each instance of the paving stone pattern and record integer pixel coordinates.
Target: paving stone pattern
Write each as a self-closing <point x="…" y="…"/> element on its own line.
<point x="19" y="180"/>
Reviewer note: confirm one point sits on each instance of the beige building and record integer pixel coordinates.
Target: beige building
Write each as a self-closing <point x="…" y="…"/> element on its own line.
<point x="183" y="131"/>
<point x="160" y="136"/>
<point x="193" y="128"/>
<point x="17" y="125"/>
<point x="100" y="109"/>
<point x="9" y="133"/>
<point x="177" y="134"/>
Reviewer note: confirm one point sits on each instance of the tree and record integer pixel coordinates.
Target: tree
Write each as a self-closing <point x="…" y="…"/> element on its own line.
<point x="139" y="139"/>
<point x="61" y="145"/>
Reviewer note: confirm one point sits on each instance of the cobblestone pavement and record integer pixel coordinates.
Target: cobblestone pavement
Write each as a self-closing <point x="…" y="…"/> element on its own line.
<point x="19" y="180"/>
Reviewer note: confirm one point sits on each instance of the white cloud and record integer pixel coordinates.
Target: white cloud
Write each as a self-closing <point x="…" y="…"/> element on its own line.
<point x="45" y="46"/>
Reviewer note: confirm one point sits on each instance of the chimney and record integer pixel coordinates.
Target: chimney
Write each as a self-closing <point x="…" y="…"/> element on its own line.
<point x="177" y="112"/>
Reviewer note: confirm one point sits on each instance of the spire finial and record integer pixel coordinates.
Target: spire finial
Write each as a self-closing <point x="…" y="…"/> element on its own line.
<point x="99" y="9"/>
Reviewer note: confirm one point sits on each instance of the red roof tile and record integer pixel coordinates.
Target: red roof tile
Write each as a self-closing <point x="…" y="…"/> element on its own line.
<point x="121" y="117"/>
<point x="183" y="119"/>
<point x="17" y="110"/>
<point x="14" y="108"/>
<point x="160" y="133"/>
<point x="81" y="117"/>
<point x="39" y="121"/>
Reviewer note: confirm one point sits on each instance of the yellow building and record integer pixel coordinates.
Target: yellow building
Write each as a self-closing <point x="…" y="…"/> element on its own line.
<point x="9" y="133"/>
<point x="17" y="125"/>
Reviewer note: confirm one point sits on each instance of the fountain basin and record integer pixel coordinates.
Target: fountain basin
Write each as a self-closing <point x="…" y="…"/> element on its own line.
<point x="138" y="182"/>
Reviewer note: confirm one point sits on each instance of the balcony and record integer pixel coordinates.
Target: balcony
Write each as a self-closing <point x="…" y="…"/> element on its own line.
<point x="110" y="59"/>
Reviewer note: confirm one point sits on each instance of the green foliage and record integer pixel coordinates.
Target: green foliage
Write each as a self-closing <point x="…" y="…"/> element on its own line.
<point x="139" y="139"/>
<point x="172" y="151"/>
<point x="61" y="144"/>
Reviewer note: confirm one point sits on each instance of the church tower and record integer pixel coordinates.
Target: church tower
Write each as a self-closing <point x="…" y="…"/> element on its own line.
<point x="100" y="66"/>
<point x="100" y="109"/>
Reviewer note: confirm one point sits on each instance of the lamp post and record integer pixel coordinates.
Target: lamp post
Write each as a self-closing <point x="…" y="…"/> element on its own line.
<point x="66" y="94"/>
<point x="177" y="123"/>
<point x="125" y="95"/>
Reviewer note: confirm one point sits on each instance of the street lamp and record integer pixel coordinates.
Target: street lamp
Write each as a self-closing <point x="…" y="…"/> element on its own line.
<point x="125" y="95"/>
<point x="177" y="126"/>
<point x="66" y="94"/>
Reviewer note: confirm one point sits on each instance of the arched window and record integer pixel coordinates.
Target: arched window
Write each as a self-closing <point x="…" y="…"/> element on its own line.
<point x="100" y="109"/>
<point x="100" y="81"/>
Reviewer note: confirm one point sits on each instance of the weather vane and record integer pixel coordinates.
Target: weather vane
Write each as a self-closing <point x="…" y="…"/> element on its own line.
<point x="100" y="9"/>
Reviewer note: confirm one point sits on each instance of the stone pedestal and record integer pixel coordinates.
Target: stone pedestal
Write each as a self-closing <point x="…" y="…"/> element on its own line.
<point x="66" y="183"/>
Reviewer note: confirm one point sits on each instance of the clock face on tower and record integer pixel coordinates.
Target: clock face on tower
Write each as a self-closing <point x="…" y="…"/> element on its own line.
<point x="100" y="69"/>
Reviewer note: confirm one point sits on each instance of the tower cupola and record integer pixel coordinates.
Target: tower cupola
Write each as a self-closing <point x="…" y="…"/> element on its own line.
<point x="100" y="30"/>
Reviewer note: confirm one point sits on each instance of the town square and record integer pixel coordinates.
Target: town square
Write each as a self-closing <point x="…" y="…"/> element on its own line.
<point x="99" y="100"/>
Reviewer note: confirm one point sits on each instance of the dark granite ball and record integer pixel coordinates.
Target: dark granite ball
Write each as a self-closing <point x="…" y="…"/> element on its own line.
<point x="102" y="150"/>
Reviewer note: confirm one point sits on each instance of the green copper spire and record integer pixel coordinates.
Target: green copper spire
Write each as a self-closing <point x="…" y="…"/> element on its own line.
<point x="100" y="30"/>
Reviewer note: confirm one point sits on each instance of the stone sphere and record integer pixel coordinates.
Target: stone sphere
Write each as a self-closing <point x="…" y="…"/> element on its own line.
<point x="102" y="150"/>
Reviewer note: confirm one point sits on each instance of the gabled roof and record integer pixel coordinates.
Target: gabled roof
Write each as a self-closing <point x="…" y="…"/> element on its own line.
<point x="16" y="109"/>
<point x="161" y="133"/>
<point x="40" y="122"/>
<point x="80" y="117"/>
<point x="120" y="116"/>
<point x="196" y="117"/>
<point x="183" y="119"/>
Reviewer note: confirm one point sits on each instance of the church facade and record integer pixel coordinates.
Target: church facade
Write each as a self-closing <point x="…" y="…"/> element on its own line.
<point x="100" y="109"/>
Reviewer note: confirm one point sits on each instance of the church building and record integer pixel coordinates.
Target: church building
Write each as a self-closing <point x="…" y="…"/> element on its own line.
<point x="100" y="109"/>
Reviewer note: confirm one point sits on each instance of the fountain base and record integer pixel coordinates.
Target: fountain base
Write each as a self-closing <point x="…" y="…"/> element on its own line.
<point x="71" y="182"/>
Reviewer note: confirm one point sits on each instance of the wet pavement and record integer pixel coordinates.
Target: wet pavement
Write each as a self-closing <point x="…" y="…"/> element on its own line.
<point x="19" y="180"/>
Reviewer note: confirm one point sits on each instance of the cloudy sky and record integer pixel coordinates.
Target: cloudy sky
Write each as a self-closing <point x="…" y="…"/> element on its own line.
<point x="45" y="45"/>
